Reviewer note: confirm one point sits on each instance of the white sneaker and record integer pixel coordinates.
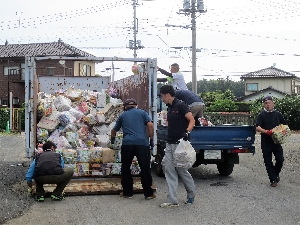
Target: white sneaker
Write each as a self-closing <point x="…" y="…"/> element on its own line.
<point x="168" y="205"/>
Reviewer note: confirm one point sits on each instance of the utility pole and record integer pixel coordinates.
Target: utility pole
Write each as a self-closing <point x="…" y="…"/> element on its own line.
<point x="190" y="8"/>
<point x="135" y="44"/>
<point x="134" y="27"/>
<point x="194" y="73"/>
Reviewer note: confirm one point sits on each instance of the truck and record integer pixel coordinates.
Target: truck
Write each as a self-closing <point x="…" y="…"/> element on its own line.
<point x="220" y="144"/>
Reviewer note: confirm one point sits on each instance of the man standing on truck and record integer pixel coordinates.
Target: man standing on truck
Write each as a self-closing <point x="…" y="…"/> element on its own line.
<point x="180" y="124"/>
<point x="268" y="119"/>
<point x="175" y="77"/>
<point x="135" y="123"/>
<point x="48" y="168"/>
<point x="194" y="102"/>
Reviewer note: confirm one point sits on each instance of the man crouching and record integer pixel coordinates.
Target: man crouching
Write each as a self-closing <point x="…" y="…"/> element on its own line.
<point x="48" y="168"/>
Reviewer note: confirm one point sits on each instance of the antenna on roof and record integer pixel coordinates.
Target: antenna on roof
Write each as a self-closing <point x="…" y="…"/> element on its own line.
<point x="6" y="43"/>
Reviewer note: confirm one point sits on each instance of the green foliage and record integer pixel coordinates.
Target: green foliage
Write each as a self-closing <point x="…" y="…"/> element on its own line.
<point x="288" y="106"/>
<point x="223" y="105"/>
<point x="237" y="87"/>
<point x="243" y="106"/>
<point x="4" y="117"/>
<point x="219" y="101"/>
<point x="22" y="116"/>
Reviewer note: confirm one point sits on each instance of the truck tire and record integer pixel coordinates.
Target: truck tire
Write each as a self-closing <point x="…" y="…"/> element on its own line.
<point x="224" y="168"/>
<point x="158" y="162"/>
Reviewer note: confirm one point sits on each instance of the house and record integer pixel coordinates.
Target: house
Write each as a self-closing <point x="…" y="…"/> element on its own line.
<point x="270" y="81"/>
<point x="264" y="92"/>
<point x="12" y="64"/>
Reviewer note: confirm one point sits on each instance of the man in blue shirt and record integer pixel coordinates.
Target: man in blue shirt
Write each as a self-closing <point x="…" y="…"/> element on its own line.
<point x="48" y="168"/>
<point x="137" y="127"/>
<point x="194" y="102"/>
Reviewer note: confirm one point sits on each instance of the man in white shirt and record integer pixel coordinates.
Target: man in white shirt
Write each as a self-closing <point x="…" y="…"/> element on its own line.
<point x="175" y="77"/>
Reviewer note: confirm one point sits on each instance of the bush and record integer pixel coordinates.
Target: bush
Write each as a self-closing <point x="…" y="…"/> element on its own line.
<point x="223" y="105"/>
<point x="4" y="117"/>
<point x="243" y="106"/>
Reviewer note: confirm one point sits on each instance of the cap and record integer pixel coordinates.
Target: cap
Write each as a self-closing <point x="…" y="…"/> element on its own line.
<point x="130" y="101"/>
<point x="266" y="98"/>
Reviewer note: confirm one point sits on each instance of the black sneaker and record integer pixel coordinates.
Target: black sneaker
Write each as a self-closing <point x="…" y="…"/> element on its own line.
<point x="57" y="197"/>
<point x="40" y="198"/>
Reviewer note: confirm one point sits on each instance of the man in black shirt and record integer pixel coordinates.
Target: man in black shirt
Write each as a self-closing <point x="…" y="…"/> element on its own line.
<point x="268" y="119"/>
<point x="180" y="124"/>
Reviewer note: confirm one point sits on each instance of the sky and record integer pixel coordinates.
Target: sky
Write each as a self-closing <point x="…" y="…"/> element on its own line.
<point x="234" y="37"/>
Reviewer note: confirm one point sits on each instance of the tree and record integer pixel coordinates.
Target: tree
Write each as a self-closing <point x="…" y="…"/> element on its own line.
<point x="237" y="87"/>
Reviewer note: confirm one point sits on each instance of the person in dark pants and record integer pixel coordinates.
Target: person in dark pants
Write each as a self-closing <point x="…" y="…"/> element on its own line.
<point x="48" y="168"/>
<point x="137" y="127"/>
<point x="268" y="119"/>
<point x="180" y="124"/>
<point x="194" y="102"/>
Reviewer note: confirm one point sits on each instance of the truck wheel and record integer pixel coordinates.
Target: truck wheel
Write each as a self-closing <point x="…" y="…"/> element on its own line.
<point x="225" y="169"/>
<point x="158" y="163"/>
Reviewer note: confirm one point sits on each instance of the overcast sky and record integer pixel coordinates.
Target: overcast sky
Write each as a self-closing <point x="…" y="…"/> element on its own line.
<point x="235" y="36"/>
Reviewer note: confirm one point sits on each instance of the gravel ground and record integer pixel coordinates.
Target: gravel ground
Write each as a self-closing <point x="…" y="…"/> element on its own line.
<point x="16" y="202"/>
<point x="13" y="168"/>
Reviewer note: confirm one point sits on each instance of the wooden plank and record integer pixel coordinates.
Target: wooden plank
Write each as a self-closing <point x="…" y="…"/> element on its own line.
<point x="95" y="186"/>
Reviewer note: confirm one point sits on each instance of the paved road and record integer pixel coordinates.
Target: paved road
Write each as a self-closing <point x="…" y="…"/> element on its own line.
<point x="245" y="197"/>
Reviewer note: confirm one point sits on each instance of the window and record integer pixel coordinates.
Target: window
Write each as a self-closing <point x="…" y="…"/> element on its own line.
<point x="11" y="70"/>
<point x="252" y="87"/>
<point x="87" y="70"/>
<point x="84" y="70"/>
<point x="70" y="71"/>
<point x="50" y="71"/>
<point x="23" y="71"/>
<point x="4" y="102"/>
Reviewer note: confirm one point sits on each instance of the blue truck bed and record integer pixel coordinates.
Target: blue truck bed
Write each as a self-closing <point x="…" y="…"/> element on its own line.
<point x="218" y="145"/>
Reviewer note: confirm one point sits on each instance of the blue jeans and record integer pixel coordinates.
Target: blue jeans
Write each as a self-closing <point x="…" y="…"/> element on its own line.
<point x="142" y="154"/>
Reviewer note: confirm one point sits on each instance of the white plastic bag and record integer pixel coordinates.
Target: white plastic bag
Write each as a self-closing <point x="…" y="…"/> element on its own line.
<point x="184" y="155"/>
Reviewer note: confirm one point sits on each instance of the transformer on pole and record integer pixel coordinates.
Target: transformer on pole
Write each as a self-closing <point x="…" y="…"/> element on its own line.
<point x="190" y="7"/>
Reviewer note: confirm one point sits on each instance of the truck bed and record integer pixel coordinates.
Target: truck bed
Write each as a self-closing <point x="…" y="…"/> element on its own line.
<point x="218" y="145"/>
<point x="217" y="137"/>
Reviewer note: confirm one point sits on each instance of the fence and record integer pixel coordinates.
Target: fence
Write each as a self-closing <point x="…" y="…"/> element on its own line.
<point x="230" y="118"/>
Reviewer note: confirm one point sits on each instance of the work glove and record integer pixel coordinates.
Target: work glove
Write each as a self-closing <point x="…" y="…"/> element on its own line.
<point x="112" y="140"/>
<point x="186" y="135"/>
<point x="269" y="132"/>
<point x="151" y="144"/>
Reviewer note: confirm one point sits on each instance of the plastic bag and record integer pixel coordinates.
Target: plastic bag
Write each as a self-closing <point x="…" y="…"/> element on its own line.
<point x="184" y="155"/>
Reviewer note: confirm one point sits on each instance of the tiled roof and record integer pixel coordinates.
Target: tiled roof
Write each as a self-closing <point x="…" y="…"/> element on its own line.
<point x="260" y="91"/>
<point x="268" y="72"/>
<point x="41" y="49"/>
